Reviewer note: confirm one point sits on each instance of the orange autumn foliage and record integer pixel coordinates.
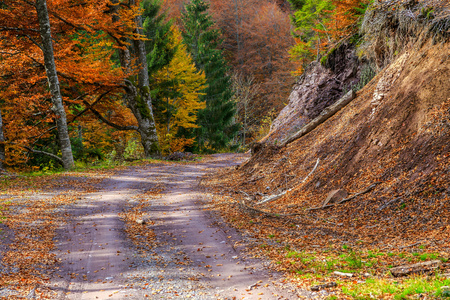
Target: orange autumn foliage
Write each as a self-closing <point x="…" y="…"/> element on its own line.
<point x="84" y="40"/>
<point x="345" y="17"/>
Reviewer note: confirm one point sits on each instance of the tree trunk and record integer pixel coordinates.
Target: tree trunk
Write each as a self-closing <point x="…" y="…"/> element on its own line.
<point x="238" y="33"/>
<point x="143" y="105"/>
<point x="139" y="101"/>
<point x="2" y="143"/>
<point x="138" y="92"/>
<point x="53" y="82"/>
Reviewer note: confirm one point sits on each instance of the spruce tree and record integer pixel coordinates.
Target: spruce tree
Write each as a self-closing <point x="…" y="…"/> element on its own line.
<point x="160" y="52"/>
<point x="216" y="120"/>
<point x="158" y="33"/>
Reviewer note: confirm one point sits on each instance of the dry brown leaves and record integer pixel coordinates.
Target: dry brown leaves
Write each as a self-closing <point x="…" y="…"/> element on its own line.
<point x="33" y="208"/>
<point x="136" y="220"/>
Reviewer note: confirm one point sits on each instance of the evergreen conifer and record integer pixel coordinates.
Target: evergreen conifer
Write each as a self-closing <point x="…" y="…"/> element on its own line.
<point x="216" y="121"/>
<point x="158" y="33"/>
<point x="160" y="52"/>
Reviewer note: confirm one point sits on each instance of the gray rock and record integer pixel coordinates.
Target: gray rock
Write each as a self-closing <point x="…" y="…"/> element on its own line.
<point x="335" y="196"/>
<point x="317" y="88"/>
<point x="141" y="221"/>
<point x="319" y="287"/>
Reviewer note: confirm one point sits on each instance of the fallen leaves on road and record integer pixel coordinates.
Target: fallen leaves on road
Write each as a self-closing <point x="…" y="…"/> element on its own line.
<point x="32" y="209"/>
<point x="139" y="232"/>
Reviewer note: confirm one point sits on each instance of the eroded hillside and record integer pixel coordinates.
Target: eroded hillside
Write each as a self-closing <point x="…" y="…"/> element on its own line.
<point x="390" y="148"/>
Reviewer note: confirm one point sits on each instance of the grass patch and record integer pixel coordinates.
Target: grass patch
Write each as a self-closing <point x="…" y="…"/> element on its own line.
<point x="380" y="288"/>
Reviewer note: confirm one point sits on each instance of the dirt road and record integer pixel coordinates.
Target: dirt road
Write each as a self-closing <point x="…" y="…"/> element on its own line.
<point x="179" y="252"/>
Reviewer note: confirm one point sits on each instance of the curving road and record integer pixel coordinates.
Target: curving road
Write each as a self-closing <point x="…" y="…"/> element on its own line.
<point x="192" y="256"/>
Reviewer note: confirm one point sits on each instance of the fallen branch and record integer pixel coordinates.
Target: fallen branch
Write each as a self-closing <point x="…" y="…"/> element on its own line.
<point x="312" y="171"/>
<point x="273" y="197"/>
<point x="368" y="189"/>
<point x="278" y="196"/>
<point x="419" y="268"/>
<point x="412" y="245"/>
<point x="319" y="287"/>
<point x="342" y="274"/>
<point x="389" y="203"/>
<point x="324" y="115"/>
<point x="245" y="194"/>
<point x="273" y="215"/>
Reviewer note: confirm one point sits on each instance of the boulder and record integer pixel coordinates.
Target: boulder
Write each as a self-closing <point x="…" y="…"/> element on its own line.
<point x="335" y="196"/>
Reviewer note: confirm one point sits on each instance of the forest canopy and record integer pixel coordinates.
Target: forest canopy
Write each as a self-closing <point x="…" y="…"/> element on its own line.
<point x="136" y="79"/>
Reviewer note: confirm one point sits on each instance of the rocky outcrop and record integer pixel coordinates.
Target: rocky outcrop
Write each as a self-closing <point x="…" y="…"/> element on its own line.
<point x="388" y="28"/>
<point x="319" y="87"/>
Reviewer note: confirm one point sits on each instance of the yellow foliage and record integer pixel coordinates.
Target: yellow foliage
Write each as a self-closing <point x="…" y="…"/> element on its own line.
<point x="186" y="85"/>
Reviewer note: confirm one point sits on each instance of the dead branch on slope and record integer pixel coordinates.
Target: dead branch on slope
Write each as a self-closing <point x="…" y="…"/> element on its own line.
<point x="270" y="214"/>
<point x="278" y="196"/>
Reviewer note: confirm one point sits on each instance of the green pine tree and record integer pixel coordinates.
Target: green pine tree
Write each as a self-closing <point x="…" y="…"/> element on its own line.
<point x="158" y="33"/>
<point x="160" y="52"/>
<point x="216" y="121"/>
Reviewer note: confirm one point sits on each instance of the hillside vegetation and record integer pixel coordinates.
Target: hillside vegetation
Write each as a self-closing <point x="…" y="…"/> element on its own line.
<point x="387" y="152"/>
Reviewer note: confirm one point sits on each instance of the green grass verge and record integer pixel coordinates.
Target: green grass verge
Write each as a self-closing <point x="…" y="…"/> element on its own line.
<point x="374" y="288"/>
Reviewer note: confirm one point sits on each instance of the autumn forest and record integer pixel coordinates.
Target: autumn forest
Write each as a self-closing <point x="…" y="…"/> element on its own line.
<point x="89" y="80"/>
<point x="224" y="149"/>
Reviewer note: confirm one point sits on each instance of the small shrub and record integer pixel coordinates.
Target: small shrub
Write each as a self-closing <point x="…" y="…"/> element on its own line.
<point x="133" y="150"/>
<point x="367" y="73"/>
<point x="354" y="260"/>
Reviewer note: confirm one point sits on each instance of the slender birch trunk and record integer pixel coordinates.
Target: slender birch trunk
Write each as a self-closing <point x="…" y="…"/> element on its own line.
<point x="53" y="82"/>
<point x="2" y="141"/>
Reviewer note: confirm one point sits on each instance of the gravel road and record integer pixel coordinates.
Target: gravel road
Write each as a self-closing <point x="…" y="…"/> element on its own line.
<point x="191" y="255"/>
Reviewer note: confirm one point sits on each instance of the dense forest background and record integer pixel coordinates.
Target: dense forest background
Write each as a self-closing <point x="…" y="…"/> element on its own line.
<point x="86" y="81"/>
